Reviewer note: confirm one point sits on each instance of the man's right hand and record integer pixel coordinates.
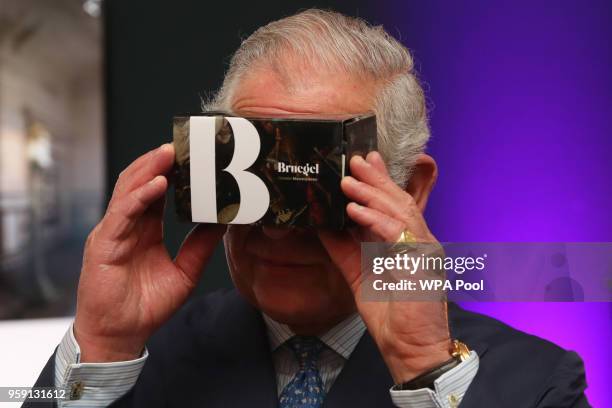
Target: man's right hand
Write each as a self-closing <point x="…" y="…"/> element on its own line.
<point x="129" y="285"/>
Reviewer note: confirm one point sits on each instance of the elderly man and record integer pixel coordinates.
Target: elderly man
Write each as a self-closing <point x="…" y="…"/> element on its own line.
<point x="294" y="332"/>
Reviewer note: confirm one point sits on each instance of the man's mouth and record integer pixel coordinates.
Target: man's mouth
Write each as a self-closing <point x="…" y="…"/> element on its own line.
<point x="280" y="262"/>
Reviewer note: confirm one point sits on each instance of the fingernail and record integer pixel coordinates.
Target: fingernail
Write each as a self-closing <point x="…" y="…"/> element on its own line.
<point x="349" y="179"/>
<point x="155" y="179"/>
<point x="356" y="206"/>
<point x="357" y="158"/>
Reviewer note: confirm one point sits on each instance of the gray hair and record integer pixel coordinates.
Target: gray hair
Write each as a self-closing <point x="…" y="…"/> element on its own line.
<point x="355" y="48"/>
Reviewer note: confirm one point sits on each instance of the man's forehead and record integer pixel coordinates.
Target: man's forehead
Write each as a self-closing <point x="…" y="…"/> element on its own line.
<point x="265" y="92"/>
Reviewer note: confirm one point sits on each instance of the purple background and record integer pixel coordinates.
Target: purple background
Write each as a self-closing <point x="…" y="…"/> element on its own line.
<point x="520" y="98"/>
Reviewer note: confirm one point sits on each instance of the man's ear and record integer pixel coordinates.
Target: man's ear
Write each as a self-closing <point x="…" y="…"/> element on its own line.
<point x="422" y="180"/>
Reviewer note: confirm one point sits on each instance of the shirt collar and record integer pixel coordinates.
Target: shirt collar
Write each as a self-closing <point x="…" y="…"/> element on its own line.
<point x="342" y="338"/>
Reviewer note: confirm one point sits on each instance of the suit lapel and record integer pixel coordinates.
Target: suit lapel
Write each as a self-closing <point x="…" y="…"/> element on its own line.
<point x="364" y="381"/>
<point x="243" y="373"/>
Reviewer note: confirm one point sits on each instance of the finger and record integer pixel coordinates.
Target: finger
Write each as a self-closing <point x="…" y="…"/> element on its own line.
<point x="152" y="222"/>
<point x="376" y="160"/>
<point x="346" y="255"/>
<point x="386" y="228"/>
<point x="371" y="197"/>
<point x="370" y="174"/>
<point x="156" y="162"/>
<point x="197" y="249"/>
<point x="123" y="213"/>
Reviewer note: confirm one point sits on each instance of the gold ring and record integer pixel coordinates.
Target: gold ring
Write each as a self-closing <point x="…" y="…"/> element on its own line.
<point x="406" y="237"/>
<point x="401" y="245"/>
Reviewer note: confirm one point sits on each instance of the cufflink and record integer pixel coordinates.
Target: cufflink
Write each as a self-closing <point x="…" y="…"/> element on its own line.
<point x="453" y="401"/>
<point x="76" y="390"/>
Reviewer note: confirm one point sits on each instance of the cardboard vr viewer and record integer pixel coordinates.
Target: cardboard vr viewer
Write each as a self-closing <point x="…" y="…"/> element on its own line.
<point x="272" y="171"/>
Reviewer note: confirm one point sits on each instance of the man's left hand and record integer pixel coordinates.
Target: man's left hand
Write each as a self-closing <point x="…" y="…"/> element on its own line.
<point x="412" y="337"/>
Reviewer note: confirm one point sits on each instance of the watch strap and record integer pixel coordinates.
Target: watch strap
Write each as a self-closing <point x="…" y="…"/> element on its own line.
<point x="426" y="380"/>
<point x="459" y="352"/>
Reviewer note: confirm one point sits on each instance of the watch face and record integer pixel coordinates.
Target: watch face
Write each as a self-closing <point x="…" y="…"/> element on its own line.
<point x="460" y="350"/>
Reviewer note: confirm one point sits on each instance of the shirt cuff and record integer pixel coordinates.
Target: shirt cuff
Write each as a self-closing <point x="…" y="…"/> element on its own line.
<point x="92" y="384"/>
<point x="450" y="388"/>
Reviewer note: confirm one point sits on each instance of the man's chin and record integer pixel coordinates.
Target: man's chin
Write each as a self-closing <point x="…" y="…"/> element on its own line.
<point x="294" y="306"/>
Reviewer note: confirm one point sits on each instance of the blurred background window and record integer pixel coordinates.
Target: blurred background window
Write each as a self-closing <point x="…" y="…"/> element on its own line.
<point x="51" y="150"/>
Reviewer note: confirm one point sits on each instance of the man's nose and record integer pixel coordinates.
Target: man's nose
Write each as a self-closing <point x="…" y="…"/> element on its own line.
<point x="273" y="232"/>
<point x="276" y="232"/>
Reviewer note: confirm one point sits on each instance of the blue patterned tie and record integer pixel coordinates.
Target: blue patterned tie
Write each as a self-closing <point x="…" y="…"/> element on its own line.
<point x="305" y="390"/>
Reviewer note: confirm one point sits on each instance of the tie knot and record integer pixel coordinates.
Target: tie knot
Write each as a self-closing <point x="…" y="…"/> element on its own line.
<point x="306" y="349"/>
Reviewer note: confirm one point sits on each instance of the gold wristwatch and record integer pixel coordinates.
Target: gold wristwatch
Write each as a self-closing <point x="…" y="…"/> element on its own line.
<point x="459" y="352"/>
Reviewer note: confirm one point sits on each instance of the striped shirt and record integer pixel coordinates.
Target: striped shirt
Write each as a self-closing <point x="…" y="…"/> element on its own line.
<point x="99" y="384"/>
<point x="341" y="340"/>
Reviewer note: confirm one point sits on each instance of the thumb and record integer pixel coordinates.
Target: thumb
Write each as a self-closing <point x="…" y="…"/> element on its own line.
<point x="197" y="248"/>
<point x="345" y="252"/>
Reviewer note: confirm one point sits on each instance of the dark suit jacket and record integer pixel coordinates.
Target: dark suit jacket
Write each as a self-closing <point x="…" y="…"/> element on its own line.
<point x="215" y="353"/>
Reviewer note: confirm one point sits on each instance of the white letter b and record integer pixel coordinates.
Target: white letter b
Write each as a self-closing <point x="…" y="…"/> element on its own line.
<point x="254" y="195"/>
